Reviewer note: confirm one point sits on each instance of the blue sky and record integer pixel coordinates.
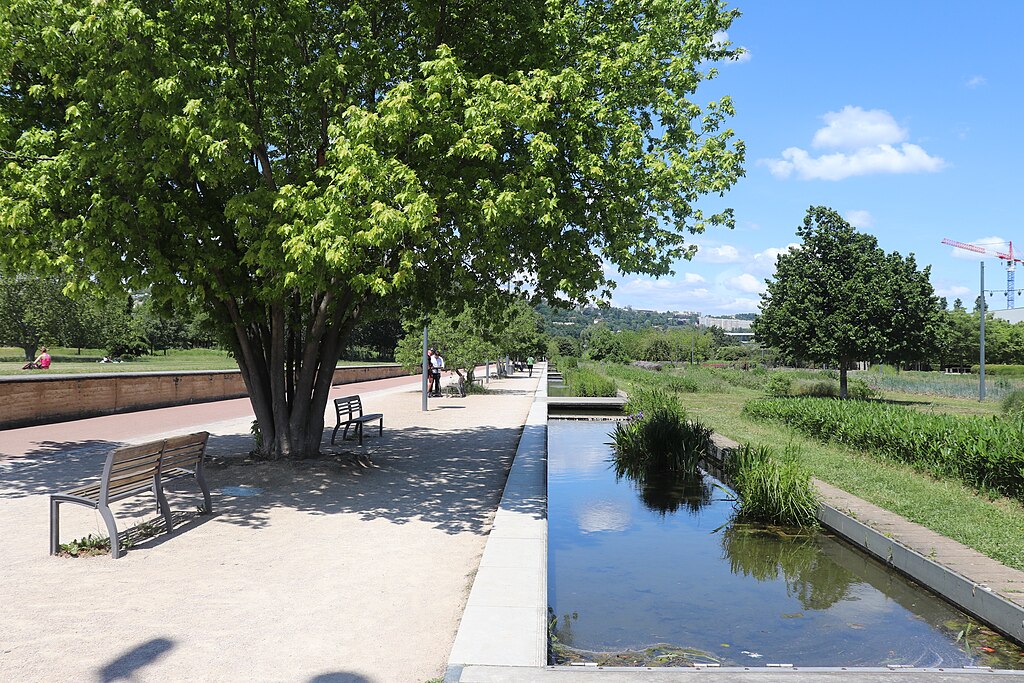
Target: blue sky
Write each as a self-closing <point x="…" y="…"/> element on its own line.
<point x="898" y="115"/>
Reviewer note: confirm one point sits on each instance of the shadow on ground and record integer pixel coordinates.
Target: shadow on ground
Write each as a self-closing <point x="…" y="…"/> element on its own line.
<point x="451" y="479"/>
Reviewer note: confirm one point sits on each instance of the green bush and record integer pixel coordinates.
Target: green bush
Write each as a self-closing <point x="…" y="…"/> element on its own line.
<point x="986" y="453"/>
<point x="1013" y="405"/>
<point x="1000" y="370"/>
<point x="772" y="488"/>
<point x="778" y="384"/>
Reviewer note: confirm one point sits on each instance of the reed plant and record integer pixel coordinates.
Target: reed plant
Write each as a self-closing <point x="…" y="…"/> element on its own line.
<point x="658" y="439"/>
<point x="984" y="453"/>
<point x="772" y="487"/>
<point x="1013" y="405"/>
<point x="885" y="378"/>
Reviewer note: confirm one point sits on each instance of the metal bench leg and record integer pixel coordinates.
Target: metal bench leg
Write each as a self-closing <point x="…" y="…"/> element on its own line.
<point x="54" y="526"/>
<point x="165" y="508"/>
<point x="207" y="501"/>
<point x="108" y="517"/>
<point x="335" y="433"/>
<point x="344" y="434"/>
<point x="359" y="428"/>
<point x="380" y="431"/>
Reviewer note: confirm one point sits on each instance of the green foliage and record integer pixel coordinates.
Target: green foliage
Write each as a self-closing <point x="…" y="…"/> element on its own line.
<point x="839" y="298"/>
<point x="87" y="546"/>
<point x="583" y="381"/>
<point x="778" y="384"/>
<point x="292" y="166"/>
<point x="1000" y="370"/>
<point x="1013" y="405"/>
<point x="772" y="487"/>
<point x="986" y="453"/>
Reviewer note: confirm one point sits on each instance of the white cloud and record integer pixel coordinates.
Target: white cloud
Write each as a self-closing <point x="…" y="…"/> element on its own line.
<point x="853" y="128"/>
<point x="954" y="292"/>
<point x="764" y="261"/>
<point x="723" y="254"/>
<point x="975" y="81"/>
<point x="693" y="278"/>
<point x="990" y="244"/>
<point x="908" y="158"/>
<point x="747" y="283"/>
<point x="860" y="218"/>
<point x="870" y="141"/>
<point x="721" y="39"/>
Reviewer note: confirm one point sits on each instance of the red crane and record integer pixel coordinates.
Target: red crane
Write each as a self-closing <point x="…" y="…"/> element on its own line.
<point x="1007" y="256"/>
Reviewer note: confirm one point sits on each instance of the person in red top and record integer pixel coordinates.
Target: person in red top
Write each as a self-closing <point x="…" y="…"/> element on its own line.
<point x="40" y="363"/>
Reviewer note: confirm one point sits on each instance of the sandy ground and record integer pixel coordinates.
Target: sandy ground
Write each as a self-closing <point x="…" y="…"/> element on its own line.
<point x="346" y="568"/>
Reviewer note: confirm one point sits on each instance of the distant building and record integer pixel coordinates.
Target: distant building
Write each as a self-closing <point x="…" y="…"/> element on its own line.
<point x="727" y="324"/>
<point x="1012" y="315"/>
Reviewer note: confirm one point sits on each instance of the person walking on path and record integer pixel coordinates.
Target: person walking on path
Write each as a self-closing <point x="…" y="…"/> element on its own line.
<point x="529" y="364"/>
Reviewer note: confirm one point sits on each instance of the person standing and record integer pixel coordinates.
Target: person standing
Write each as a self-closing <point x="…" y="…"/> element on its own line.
<point x="436" y="366"/>
<point x="529" y="364"/>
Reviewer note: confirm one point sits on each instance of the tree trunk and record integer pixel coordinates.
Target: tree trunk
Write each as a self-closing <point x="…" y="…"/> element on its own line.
<point x="842" y="379"/>
<point x="30" y="352"/>
<point x="287" y="362"/>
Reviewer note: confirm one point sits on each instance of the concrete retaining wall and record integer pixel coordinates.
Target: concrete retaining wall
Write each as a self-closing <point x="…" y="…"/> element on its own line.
<point x="41" y="399"/>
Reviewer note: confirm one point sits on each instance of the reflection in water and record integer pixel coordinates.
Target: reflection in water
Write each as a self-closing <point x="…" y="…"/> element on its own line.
<point x="667" y="492"/>
<point x="627" y="573"/>
<point x="811" y="576"/>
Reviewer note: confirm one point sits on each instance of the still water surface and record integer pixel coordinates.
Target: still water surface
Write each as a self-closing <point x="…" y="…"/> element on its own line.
<point x="626" y="572"/>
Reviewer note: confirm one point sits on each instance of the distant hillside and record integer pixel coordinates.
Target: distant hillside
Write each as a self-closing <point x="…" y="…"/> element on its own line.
<point x="572" y="322"/>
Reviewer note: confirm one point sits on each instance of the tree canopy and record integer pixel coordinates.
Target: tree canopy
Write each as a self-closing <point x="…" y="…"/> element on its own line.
<point x="839" y="298"/>
<point x="293" y="165"/>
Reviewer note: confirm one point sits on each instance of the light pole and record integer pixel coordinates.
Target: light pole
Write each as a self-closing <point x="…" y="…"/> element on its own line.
<point x="981" y="361"/>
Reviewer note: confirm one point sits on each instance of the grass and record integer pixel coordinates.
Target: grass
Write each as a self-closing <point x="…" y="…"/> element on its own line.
<point x="69" y="361"/>
<point x="992" y="526"/>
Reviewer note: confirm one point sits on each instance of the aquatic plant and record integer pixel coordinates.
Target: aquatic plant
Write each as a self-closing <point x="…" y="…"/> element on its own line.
<point x="772" y="487"/>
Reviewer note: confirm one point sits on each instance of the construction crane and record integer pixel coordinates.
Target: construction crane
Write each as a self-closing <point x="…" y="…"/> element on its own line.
<point x="1006" y="256"/>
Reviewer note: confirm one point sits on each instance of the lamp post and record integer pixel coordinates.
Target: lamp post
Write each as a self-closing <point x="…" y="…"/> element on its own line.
<point x="981" y="361"/>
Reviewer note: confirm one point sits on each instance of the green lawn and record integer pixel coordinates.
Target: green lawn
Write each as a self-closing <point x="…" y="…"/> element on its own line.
<point x="994" y="527"/>
<point x="70" y="361"/>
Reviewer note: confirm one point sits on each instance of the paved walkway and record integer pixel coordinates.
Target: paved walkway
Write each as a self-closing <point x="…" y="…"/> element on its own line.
<point x="343" y="569"/>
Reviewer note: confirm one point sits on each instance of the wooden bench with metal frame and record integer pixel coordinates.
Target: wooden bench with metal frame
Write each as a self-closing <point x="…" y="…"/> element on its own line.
<point x="350" y="412"/>
<point x="132" y="470"/>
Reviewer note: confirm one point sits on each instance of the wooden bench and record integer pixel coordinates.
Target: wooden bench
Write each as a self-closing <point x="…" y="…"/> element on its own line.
<point x="132" y="470"/>
<point x="350" y="412"/>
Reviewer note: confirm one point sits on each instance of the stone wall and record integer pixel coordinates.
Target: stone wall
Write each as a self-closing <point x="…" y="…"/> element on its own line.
<point x="40" y="399"/>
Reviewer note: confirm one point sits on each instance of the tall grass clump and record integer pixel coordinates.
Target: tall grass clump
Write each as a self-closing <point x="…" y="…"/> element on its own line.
<point x="885" y="378"/>
<point x="986" y="453"/>
<point x="658" y="438"/>
<point x="772" y="487"/>
<point x="1013" y="405"/>
<point x="583" y="381"/>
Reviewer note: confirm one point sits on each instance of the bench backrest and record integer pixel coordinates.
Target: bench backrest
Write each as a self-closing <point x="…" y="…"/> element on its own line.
<point x="130" y="469"/>
<point x="351" y="405"/>
<point x="185" y="452"/>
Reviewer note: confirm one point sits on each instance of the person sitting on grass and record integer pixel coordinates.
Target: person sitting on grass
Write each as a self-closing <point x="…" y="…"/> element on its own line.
<point x="40" y="363"/>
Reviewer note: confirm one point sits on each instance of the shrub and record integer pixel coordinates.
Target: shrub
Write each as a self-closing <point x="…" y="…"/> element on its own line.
<point x="1013" y="405"/>
<point x="778" y="384"/>
<point x="986" y="453"/>
<point x="772" y="488"/>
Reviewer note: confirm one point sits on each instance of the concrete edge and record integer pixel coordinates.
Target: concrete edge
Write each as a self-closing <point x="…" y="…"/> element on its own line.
<point x="974" y="598"/>
<point x="500" y="627"/>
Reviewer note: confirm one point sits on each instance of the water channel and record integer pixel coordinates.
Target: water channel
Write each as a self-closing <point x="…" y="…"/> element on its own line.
<point x="662" y="569"/>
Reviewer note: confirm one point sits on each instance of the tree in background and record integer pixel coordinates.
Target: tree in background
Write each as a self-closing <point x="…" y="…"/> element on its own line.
<point x="474" y="336"/>
<point x="838" y="298"/>
<point x="292" y="166"/>
<point x="34" y="311"/>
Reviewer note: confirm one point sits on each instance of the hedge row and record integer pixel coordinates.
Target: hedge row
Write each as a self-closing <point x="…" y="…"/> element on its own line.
<point x="986" y="453"/>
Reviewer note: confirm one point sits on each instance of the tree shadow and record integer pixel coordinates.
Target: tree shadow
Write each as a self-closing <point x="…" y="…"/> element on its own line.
<point x="125" y="666"/>
<point x="339" y="677"/>
<point x="452" y="479"/>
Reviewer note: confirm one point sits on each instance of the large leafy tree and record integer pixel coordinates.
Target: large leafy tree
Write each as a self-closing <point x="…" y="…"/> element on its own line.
<point x="839" y="298"/>
<point x="34" y="311"/>
<point x="292" y="165"/>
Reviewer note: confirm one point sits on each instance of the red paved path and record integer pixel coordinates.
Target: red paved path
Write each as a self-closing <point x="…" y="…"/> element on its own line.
<point x="125" y="426"/>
